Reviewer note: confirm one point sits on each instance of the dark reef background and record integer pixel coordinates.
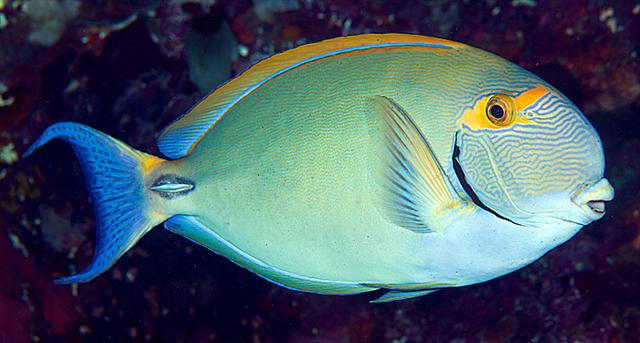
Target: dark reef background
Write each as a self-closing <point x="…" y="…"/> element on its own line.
<point x="129" y="68"/>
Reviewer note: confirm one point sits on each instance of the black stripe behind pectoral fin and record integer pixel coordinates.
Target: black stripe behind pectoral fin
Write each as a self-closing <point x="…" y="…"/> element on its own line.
<point x="416" y="192"/>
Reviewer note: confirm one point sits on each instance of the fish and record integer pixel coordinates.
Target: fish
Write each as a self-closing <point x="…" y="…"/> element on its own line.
<point x="393" y="162"/>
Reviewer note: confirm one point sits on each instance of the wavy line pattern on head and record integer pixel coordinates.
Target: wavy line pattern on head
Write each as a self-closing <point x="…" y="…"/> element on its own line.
<point x="552" y="152"/>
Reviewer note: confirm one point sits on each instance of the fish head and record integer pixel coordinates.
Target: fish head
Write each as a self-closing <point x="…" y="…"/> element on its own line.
<point x="532" y="157"/>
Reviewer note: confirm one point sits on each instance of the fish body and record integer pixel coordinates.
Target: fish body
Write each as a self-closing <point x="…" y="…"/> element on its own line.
<point x="392" y="161"/>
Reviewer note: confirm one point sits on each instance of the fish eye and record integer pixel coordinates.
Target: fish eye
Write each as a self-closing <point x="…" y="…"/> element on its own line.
<point x="499" y="110"/>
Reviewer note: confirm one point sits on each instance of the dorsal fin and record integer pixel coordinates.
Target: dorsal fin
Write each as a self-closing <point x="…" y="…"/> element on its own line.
<point x="179" y="138"/>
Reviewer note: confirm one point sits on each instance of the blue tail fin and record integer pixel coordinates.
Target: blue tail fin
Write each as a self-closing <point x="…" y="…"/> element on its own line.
<point x="114" y="175"/>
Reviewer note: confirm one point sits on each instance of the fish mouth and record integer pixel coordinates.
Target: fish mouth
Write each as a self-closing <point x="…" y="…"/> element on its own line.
<point x="597" y="206"/>
<point x="592" y="198"/>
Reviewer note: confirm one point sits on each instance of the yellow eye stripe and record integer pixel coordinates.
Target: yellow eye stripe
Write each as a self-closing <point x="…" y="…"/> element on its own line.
<point x="476" y="117"/>
<point x="527" y="98"/>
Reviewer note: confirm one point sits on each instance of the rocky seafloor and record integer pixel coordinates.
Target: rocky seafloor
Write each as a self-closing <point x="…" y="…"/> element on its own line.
<point x="128" y="68"/>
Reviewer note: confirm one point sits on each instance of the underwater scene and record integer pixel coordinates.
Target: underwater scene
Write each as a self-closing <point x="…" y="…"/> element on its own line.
<point x="319" y="171"/>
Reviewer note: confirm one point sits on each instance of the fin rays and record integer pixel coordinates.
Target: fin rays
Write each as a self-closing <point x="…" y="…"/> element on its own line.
<point x="415" y="185"/>
<point x="114" y="179"/>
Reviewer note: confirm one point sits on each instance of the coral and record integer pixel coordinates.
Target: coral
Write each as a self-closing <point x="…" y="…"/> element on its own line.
<point x="266" y="9"/>
<point x="8" y="154"/>
<point x="49" y="19"/>
<point x="210" y="48"/>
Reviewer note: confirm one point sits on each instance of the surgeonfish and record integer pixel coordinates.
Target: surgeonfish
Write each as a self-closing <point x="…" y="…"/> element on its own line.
<point x="379" y="161"/>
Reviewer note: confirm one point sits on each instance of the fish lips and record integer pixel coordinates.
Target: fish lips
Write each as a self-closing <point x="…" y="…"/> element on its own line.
<point x="591" y="198"/>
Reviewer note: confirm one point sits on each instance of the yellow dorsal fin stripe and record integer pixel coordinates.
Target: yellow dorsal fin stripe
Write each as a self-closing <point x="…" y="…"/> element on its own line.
<point x="179" y="138"/>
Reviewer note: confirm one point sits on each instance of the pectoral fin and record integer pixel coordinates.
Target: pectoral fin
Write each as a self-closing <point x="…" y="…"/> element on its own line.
<point x="417" y="192"/>
<point x="399" y="295"/>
